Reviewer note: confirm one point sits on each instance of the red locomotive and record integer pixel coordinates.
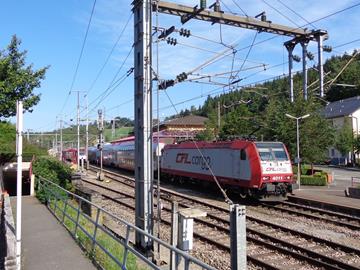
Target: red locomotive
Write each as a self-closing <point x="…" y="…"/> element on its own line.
<point x="257" y="169"/>
<point x="69" y="155"/>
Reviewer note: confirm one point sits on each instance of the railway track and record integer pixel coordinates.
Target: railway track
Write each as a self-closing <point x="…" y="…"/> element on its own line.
<point x="267" y="242"/>
<point x="340" y="219"/>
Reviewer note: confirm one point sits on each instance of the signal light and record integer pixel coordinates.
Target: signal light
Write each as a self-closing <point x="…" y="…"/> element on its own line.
<point x="181" y="77"/>
<point x="327" y="48"/>
<point x="165" y="84"/>
<point x="171" y="41"/>
<point x="184" y="32"/>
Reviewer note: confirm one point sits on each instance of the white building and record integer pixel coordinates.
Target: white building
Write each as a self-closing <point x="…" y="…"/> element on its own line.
<point x="341" y="112"/>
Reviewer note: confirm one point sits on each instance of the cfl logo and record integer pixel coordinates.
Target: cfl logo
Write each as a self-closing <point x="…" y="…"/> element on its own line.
<point x="182" y="158"/>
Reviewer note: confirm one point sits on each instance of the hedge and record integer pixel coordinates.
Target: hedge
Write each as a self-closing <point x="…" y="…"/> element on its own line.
<point x="317" y="180"/>
<point x="53" y="170"/>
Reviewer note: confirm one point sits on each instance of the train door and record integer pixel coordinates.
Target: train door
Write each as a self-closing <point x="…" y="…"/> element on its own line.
<point x="245" y="170"/>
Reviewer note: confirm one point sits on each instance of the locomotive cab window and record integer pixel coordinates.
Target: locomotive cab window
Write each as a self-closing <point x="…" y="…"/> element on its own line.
<point x="272" y="151"/>
<point x="242" y="154"/>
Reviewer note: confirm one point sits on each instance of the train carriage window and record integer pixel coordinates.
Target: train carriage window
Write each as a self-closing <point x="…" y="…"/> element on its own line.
<point x="242" y="154"/>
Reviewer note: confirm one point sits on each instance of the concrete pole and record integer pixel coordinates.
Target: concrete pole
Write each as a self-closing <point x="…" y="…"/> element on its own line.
<point x="143" y="123"/>
<point x="305" y="76"/>
<point x="238" y="237"/>
<point x="218" y="116"/>
<point x="320" y="40"/>
<point x="78" y="130"/>
<point x="19" y="124"/>
<point x="298" y="150"/>
<point x="113" y="129"/>
<point x="87" y="133"/>
<point x="61" y="138"/>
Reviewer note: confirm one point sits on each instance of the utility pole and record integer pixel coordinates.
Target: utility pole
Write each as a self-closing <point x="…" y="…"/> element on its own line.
<point x="61" y="138"/>
<point x="19" y="145"/>
<point x="318" y="36"/>
<point x="87" y="133"/>
<point x="290" y="48"/>
<point x="78" y="130"/>
<point x="218" y="116"/>
<point x="101" y="141"/>
<point x="113" y="129"/>
<point x="143" y="124"/>
<point x="304" y="45"/>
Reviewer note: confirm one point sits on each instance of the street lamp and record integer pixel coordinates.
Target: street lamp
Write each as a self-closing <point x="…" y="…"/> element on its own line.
<point x="298" y="142"/>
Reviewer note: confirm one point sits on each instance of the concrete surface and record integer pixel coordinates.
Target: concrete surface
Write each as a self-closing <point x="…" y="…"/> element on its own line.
<point x="335" y="192"/>
<point x="46" y="244"/>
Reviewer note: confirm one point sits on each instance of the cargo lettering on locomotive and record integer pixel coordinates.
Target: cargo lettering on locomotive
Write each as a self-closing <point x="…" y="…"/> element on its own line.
<point x="203" y="162"/>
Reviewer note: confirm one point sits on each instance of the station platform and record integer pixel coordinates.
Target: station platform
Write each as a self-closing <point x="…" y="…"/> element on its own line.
<point x="46" y="244"/>
<point x="331" y="197"/>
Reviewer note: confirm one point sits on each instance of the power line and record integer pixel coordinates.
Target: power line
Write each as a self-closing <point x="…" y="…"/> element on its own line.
<point x="113" y="81"/>
<point x="296" y="13"/>
<point x="282" y="14"/>
<point x="80" y="56"/>
<point x="82" y="47"/>
<point x="238" y="7"/>
<point x="110" y="53"/>
<point x="336" y="12"/>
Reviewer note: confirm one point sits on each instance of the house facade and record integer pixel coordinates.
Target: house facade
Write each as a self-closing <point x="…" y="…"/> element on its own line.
<point x="340" y="113"/>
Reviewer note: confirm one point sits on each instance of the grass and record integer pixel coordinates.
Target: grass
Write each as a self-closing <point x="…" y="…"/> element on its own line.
<point x="106" y="241"/>
<point x="119" y="133"/>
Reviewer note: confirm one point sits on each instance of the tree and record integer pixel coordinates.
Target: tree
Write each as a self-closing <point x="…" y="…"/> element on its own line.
<point x="17" y="81"/>
<point x="344" y="140"/>
<point x="8" y="146"/>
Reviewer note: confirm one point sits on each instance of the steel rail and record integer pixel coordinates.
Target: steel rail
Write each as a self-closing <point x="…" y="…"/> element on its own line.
<point x="311" y="256"/>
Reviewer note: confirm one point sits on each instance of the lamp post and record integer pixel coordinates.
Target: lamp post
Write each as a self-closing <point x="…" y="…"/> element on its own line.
<point x="298" y="142"/>
<point x="356" y="136"/>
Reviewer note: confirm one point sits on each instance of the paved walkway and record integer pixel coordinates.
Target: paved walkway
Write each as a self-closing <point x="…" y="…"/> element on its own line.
<point x="46" y="244"/>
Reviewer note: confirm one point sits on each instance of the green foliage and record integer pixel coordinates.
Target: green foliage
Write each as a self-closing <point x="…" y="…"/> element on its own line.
<point x="53" y="170"/>
<point x="119" y="133"/>
<point x="17" y="81"/>
<point x="344" y="140"/>
<point x="349" y="76"/>
<point x="8" y="145"/>
<point x="7" y="142"/>
<point x="316" y="133"/>
<point x="316" y="180"/>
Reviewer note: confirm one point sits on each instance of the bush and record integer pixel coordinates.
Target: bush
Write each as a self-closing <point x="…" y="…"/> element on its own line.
<point x="52" y="170"/>
<point x="316" y="180"/>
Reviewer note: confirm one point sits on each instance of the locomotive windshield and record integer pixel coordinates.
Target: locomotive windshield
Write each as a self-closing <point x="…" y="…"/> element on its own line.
<point x="271" y="151"/>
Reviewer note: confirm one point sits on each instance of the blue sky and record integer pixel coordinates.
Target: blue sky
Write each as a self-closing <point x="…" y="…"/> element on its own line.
<point x="53" y="31"/>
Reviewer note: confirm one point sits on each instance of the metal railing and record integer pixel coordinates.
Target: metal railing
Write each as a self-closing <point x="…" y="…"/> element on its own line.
<point x="66" y="207"/>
